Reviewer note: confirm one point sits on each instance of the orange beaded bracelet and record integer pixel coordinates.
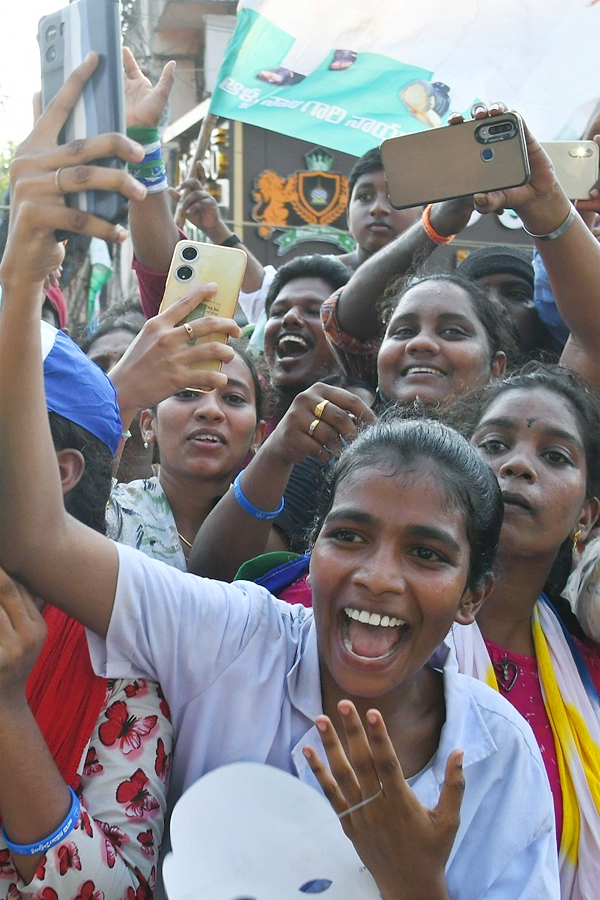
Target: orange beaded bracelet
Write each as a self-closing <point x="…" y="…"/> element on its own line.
<point x="430" y="231"/>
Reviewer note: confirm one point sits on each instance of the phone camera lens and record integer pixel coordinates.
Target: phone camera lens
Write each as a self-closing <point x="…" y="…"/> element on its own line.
<point x="184" y="273"/>
<point x="503" y="128"/>
<point x="50" y="54"/>
<point x="189" y="253"/>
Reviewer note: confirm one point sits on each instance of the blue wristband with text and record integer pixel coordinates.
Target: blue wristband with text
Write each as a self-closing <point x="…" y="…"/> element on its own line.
<point x="249" y="507"/>
<point x="65" y="827"/>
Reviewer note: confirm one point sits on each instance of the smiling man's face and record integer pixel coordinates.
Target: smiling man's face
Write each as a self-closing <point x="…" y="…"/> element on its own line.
<point x="296" y="349"/>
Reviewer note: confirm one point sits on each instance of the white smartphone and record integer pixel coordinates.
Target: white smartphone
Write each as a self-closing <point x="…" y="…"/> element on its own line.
<point x="194" y="262"/>
<point x="576" y="166"/>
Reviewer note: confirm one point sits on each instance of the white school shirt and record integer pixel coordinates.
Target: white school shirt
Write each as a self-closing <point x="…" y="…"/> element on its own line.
<point x="240" y="671"/>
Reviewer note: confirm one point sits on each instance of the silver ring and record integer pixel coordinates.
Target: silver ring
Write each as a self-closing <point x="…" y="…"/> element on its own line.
<point x="190" y="331"/>
<point x="313" y="427"/>
<point x="59" y="186"/>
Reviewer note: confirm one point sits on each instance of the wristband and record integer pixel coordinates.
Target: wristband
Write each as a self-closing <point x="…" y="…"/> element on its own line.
<point x="430" y="231"/>
<point x="232" y="241"/>
<point x="66" y="826"/>
<point x="249" y="507"/>
<point x="151" y="170"/>
<point x="552" y="235"/>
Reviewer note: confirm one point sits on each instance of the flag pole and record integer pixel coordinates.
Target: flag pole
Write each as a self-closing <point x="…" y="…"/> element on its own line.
<point x="210" y="121"/>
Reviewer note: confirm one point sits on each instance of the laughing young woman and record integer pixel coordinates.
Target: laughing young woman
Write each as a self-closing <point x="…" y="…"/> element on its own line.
<point x="405" y="549"/>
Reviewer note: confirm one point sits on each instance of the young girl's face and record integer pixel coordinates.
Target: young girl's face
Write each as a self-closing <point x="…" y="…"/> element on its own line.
<point x="389" y="573"/>
<point x="435" y="347"/>
<point x="532" y="440"/>
<point x="206" y="434"/>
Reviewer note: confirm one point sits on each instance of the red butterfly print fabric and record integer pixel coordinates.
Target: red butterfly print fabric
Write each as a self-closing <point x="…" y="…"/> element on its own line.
<point x="124" y="777"/>
<point x="124" y="728"/>
<point x="134" y="795"/>
<point x="162" y="765"/>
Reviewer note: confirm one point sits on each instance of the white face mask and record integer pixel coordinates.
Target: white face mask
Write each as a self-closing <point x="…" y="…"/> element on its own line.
<point x="252" y="832"/>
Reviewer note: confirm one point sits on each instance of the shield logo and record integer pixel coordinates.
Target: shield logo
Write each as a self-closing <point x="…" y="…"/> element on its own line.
<point x="316" y="195"/>
<point x="319" y="198"/>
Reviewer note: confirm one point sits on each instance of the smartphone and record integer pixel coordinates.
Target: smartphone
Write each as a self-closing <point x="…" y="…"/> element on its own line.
<point x="576" y="166"/>
<point x="195" y="262"/>
<point x="456" y="160"/>
<point x="65" y="38"/>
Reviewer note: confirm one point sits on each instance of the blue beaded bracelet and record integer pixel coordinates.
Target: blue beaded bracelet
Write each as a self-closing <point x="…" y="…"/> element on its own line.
<point x="249" y="507"/>
<point x="66" y="826"/>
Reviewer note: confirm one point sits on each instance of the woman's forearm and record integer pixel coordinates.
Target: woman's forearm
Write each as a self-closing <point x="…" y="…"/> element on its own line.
<point x="34" y="798"/>
<point x="229" y="536"/>
<point x="153" y="231"/>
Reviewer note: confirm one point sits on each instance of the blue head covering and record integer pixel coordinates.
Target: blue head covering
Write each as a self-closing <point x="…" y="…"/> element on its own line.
<point x="77" y="389"/>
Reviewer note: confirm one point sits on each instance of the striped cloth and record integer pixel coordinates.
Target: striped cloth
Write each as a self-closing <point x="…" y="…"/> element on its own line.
<point x="573" y="709"/>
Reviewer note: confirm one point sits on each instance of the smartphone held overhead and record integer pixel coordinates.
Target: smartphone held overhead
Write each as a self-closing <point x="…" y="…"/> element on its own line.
<point x="576" y="166"/>
<point x="195" y="263"/>
<point x="65" y="38"/>
<point x="472" y="157"/>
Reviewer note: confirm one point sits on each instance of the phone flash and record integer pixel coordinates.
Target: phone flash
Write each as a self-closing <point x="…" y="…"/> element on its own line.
<point x="581" y="152"/>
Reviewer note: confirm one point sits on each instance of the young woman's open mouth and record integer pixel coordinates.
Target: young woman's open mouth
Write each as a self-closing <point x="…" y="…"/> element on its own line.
<point x="371" y="636"/>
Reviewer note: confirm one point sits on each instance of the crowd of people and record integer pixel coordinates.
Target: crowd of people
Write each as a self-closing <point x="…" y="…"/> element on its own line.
<point x="362" y="552"/>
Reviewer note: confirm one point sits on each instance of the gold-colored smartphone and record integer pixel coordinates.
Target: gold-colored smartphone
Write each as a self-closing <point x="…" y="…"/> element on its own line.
<point x="194" y="262"/>
<point x="456" y="160"/>
<point x="576" y="166"/>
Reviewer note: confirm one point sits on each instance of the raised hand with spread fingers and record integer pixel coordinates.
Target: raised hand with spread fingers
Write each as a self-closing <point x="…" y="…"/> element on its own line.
<point x="404" y="845"/>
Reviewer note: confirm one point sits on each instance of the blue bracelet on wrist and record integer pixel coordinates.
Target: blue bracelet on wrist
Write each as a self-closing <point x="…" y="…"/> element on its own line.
<point x="65" y="827"/>
<point x="249" y="507"/>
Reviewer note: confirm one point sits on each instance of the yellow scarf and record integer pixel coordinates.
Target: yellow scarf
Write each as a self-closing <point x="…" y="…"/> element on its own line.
<point x="573" y="709"/>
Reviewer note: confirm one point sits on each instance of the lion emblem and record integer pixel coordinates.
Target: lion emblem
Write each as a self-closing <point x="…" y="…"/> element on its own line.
<point x="317" y="197"/>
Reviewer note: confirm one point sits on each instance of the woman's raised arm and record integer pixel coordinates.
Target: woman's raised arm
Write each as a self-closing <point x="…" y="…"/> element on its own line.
<point x="57" y="557"/>
<point x="570" y="252"/>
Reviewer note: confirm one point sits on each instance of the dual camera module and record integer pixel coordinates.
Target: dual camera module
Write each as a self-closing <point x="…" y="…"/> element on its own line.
<point x="51" y="37"/>
<point x="492" y="133"/>
<point x="186" y="273"/>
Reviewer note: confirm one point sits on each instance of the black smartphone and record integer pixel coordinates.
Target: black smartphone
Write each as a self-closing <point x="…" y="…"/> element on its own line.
<point x="456" y="160"/>
<point x="65" y="38"/>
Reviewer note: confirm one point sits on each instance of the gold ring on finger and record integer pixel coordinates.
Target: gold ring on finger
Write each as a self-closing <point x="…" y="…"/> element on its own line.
<point x="319" y="408"/>
<point x="59" y="186"/>
<point x="190" y="331"/>
<point x="312" y="427"/>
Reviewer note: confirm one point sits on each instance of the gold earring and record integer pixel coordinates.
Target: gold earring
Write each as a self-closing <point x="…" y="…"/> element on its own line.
<point x="576" y="537"/>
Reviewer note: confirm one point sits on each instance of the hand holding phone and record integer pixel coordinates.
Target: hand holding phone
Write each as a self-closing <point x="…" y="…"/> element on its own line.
<point x="38" y="211"/>
<point x="194" y="262"/>
<point x="472" y="157"/>
<point x="65" y="38"/>
<point x="157" y="364"/>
